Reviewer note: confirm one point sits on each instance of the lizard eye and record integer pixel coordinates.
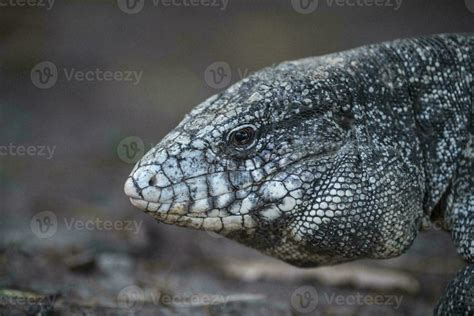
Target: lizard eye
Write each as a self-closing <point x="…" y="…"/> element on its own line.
<point x="243" y="136"/>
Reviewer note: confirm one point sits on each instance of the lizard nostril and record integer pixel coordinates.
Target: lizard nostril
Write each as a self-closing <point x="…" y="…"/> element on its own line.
<point x="152" y="181"/>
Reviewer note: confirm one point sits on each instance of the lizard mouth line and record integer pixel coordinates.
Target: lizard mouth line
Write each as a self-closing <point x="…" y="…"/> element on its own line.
<point x="219" y="223"/>
<point x="184" y="206"/>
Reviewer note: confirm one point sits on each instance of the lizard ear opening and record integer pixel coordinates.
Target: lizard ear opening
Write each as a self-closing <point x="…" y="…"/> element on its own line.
<point x="346" y="120"/>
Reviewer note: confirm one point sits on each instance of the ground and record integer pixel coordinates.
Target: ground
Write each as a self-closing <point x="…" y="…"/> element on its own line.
<point x="172" y="271"/>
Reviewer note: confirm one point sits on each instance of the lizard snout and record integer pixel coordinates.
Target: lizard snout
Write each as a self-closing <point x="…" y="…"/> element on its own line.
<point x="152" y="185"/>
<point x="137" y="181"/>
<point x="130" y="189"/>
<point x="135" y="184"/>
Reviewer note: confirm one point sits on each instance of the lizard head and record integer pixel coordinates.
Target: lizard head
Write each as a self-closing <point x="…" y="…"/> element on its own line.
<point x="273" y="163"/>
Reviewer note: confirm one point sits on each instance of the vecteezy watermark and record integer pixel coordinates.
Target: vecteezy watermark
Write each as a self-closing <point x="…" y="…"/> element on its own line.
<point x="305" y="299"/>
<point x="136" y="6"/>
<point x="31" y="303"/>
<point x="45" y="74"/>
<point x="469" y="5"/>
<point x="304" y="6"/>
<point x="48" y="4"/>
<point x="218" y="75"/>
<point x="131" y="6"/>
<point x="27" y="150"/>
<point x="103" y="225"/>
<point x="130" y="149"/>
<point x="45" y="224"/>
<point x="131" y="297"/>
<point x="309" y="6"/>
<point x="134" y="297"/>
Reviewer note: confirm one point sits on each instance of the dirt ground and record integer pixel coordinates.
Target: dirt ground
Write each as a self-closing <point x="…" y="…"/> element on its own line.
<point x="171" y="271"/>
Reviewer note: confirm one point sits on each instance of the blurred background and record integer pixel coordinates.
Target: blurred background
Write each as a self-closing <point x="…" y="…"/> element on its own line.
<point x="88" y="86"/>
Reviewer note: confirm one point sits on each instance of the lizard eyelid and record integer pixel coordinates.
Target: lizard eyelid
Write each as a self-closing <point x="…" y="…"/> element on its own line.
<point x="242" y="137"/>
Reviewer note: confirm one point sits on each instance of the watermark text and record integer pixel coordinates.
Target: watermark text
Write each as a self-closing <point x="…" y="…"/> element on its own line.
<point x="44" y="75"/>
<point x="27" y="150"/>
<point x="47" y="4"/>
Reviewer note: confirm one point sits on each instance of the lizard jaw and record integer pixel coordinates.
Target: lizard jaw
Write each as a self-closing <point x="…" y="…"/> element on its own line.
<point x="179" y="213"/>
<point x="219" y="224"/>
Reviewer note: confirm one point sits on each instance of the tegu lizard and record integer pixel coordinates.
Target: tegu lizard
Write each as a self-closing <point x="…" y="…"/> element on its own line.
<point x="329" y="159"/>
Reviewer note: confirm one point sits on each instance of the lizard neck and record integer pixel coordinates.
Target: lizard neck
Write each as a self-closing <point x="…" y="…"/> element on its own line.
<point x="439" y="72"/>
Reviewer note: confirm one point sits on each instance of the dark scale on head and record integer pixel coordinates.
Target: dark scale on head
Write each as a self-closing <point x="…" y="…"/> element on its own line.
<point x="328" y="159"/>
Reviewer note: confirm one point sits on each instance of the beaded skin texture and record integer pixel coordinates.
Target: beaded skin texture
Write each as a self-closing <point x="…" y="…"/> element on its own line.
<point x="329" y="159"/>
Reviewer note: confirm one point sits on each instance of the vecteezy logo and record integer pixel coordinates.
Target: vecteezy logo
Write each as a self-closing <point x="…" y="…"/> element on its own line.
<point x="304" y="6"/>
<point x="304" y="299"/>
<point x="131" y="149"/>
<point x="44" y="224"/>
<point x="131" y="297"/>
<point x="44" y="75"/>
<point x="218" y="75"/>
<point x="131" y="6"/>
